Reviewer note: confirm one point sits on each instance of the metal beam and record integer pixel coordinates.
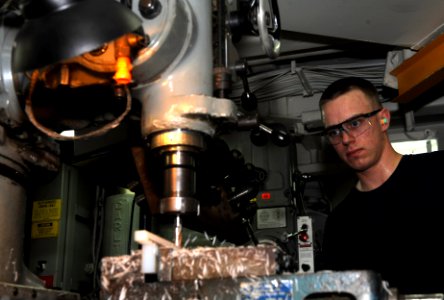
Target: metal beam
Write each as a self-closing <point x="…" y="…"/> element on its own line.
<point x="421" y="72"/>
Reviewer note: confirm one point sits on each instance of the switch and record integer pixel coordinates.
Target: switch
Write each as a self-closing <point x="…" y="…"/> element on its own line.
<point x="303" y="237"/>
<point x="305" y="244"/>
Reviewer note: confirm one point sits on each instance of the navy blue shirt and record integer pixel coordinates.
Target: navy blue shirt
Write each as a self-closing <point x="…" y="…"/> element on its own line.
<point x="396" y="230"/>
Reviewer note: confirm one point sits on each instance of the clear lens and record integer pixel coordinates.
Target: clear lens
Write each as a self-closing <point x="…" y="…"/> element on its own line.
<point x="354" y="127"/>
<point x="333" y="134"/>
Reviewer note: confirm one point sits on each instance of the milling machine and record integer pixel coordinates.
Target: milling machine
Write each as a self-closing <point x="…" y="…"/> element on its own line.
<point x="163" y="58"/>
<point x="166" y="46"/>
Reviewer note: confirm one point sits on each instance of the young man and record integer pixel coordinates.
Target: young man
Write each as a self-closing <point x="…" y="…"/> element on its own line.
<point x="392" y="221"/>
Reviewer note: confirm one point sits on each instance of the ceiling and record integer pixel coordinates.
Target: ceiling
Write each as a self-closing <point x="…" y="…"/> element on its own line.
<point x="331" y="39"/>
<point x="310" y="24"/>
<point x="405" y="23"/>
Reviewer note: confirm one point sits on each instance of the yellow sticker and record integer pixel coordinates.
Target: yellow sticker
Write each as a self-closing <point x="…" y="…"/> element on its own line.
<point x="45" y="210"/>
<point x="44" y="229"/>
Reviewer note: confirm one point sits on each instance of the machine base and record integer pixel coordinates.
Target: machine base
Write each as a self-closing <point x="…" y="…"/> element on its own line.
<point x="122" y="279"/>
<point x="23" y="292"/>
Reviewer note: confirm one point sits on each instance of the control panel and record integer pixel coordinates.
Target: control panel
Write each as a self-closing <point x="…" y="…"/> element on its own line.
<point x="305" y="244"/>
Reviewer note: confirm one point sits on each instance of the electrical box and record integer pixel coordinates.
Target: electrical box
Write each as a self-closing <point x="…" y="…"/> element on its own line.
<point x="61" y="231"/>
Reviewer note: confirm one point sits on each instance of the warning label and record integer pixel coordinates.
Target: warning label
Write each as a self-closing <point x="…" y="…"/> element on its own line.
<point x="45" y="218"/>
<point x="45" y="210"/>
<point x="44" y="229"/>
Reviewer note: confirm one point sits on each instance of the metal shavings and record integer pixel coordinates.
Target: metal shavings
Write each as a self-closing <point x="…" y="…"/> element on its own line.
<point x="219" y="262"/>
<point x="166" y="295"/>
<point x="386" y="287"/>
<point x="120" y="270"/>
<point x="121" y="276"/>
<point x="122" y="293"/>
<point x="187" y="241"/>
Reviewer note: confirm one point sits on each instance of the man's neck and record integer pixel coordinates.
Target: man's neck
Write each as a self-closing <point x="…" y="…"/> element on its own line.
<point x="375" y="176"/>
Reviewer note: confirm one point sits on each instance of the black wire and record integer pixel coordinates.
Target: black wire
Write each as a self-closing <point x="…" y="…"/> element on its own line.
<point x="297" y="182"/>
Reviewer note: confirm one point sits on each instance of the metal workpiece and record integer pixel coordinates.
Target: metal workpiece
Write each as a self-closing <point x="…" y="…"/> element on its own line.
<point x="121" y="275"/>
<point x="121" y="278"/>
<point x="216" y="263"/>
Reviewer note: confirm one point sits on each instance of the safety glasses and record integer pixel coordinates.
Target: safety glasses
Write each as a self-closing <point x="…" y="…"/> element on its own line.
<point x="354" y="126"/>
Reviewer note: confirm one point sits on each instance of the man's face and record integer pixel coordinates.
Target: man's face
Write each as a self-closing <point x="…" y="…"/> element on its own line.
<point x="364" y="150"/>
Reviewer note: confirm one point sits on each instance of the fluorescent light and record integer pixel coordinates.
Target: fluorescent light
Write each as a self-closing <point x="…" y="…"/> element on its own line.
<point x="416" y="147"/>
<point x="69" y="133"/>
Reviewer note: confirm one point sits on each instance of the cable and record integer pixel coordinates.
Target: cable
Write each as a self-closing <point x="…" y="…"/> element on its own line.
<point x="284" y="82"/>
<point x="49" y="132"/>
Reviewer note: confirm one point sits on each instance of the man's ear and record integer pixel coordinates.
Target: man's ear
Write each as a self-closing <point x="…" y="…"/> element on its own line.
<point x="384" y="118"/>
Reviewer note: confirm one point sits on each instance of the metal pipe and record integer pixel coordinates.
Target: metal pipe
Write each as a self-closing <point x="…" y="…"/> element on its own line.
<point x="12" y="228"/>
